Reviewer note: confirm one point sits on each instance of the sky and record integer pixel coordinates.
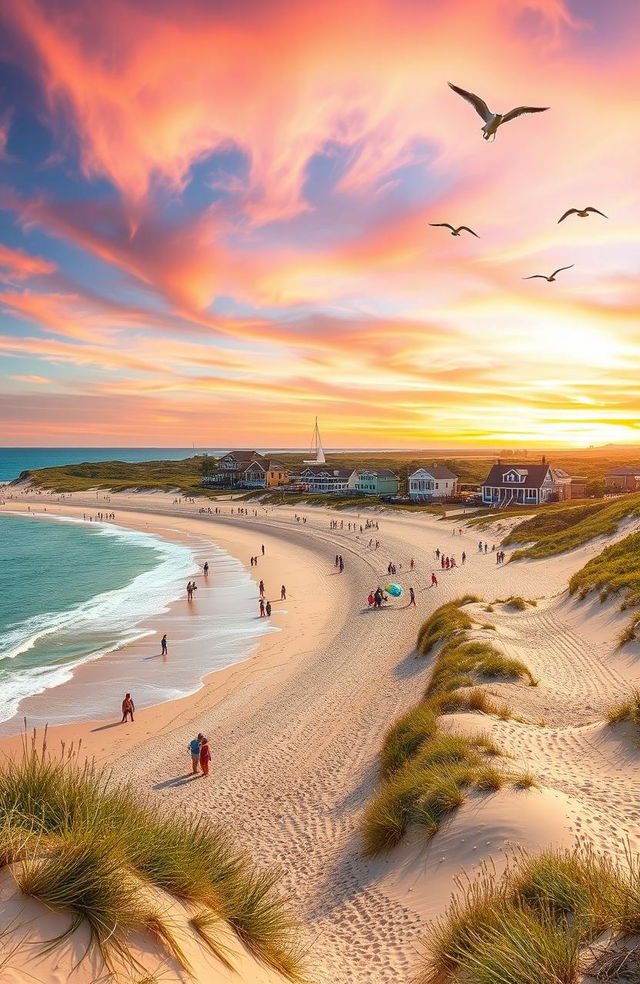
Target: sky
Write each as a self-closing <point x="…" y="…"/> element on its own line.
<point x="214" y="223"/>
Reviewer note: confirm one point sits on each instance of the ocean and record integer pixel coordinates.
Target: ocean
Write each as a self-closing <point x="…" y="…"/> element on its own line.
<point x="72" y="591"/>
<point x="16" y="460"/>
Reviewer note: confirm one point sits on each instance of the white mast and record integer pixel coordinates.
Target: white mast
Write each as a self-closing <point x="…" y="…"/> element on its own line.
<point x="316" y="448"/>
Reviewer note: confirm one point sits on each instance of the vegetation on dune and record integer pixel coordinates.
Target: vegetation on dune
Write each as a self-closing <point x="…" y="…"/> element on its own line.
<point x="93" y="848"/>
<point x="446" y="621"/>
<point x="532" y="925"/>
<point x="626" y="710"/>
<point x="427" y="773"/>
<point x="552" y="521"/>
<point x="615" y="569"/>
<point x="598" y="523"/>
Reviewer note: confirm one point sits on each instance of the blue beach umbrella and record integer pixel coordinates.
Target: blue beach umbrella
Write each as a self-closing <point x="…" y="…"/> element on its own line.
<point x="393" y="589"/>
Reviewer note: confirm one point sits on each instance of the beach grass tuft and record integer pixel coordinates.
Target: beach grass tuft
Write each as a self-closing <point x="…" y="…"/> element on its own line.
<point x="93" y="848"/>
<point x="626" y="710"/>
<point x="530" y="925"/>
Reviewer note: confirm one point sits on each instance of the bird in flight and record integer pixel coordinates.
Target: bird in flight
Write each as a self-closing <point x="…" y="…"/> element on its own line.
<point x="493" y="120"/>
<point x="582" y="212"/>
<point x="454" y="231"/>
<point x="553" y="275"/>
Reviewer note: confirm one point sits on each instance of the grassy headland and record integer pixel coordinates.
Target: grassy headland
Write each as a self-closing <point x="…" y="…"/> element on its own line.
<point x="426" y="773"/>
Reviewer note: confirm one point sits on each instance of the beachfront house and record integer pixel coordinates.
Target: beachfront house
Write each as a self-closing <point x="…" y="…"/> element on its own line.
<point x="623" y="479"/>
<point x="373" y="481"/>
<point x="324" y="479"/>
<point x="265" y="473"/>
<point x="231" y="468"/>
<point x="434" y="482"/>
<point x="525" y="485"/>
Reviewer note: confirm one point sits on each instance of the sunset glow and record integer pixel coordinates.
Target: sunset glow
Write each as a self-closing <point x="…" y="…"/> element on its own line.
<point x="215" y="223"/>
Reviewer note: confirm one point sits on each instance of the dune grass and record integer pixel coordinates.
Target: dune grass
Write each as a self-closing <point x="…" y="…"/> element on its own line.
<point x="444" y="623"/>
<point x="616" y="570"/>
<point x="463" y="664"/>
<point x="596" y="523"/>
<point x="552" y="521"/>
<point x="426" y="773"/>
<point x="89" y="846"/>
<point x="530" y="925"/>
<point x="627" y="710"/>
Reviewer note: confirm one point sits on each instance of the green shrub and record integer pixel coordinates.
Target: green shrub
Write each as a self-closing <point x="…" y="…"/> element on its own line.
<point x="598" y="522"/>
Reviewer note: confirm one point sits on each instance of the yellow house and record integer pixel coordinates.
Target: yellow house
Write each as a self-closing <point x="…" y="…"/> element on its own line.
<point x="265" y="474"/>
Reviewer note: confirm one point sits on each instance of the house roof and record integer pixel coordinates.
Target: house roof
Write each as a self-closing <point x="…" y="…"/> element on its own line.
<point x="266" y="464"/>
<point x="378" y="472"/>
<point x="435" y="471"/>
<point x="624" y="470"/>
<point x="317" y="470"/>
<point x="534" y="476"/>
<point x="244" y="456"/>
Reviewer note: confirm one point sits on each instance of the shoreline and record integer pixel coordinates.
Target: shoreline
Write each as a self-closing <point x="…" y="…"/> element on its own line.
<point x="101" y="736"/>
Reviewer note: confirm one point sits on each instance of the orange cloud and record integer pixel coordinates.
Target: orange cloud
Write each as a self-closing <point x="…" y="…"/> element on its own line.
<point x="18" y="265"/>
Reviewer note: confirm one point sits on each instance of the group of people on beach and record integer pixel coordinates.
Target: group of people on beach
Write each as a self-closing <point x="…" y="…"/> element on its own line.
<point x="339" y="562"/>
<point x="200" y="755"/>
<point x="191" y="587"/>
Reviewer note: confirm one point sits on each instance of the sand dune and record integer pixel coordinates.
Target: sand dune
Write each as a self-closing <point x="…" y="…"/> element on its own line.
<point x="295" y="730"/>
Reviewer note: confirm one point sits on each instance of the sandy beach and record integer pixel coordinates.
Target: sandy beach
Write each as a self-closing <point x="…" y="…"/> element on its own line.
<point x="295" y="729"/>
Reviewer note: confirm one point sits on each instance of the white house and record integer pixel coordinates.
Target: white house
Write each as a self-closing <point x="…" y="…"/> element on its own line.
<point x="324" y="478"/>
<point x="434" y="482"/>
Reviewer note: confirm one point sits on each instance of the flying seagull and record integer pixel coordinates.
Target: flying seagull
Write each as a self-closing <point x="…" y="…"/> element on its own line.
<point x="553" y="275"/>
<point x="454" y="231"/>
<point x="582" y="212"/>
<point x="493" y="120"/>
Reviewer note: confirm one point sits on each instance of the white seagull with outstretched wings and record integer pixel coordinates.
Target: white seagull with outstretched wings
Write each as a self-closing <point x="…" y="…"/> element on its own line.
<point x="493" y="120"/>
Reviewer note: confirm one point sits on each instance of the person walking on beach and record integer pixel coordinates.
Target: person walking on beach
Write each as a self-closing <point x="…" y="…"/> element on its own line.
<point x="128" y="707"/>
<point x="464" y="557"/>
<point x="283" y="593"/>
<point x="261" y="608"/>
<point x="412" y="597"/>
<point x="261" y="587"/>
<point x="189" y="591"/>
<point x="268" y="609"/>
<point x="263" y="549"/>
<point x="434" y="580"/>
<point x="341" y="564"/>
<point x="205" y="756"/>
<point x="163" y="645"/>
<point x="206" y="568"/>
<point x="194" y="750"/>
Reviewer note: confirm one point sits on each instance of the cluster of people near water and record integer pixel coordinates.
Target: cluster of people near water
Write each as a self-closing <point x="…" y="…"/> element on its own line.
<point x="339" y="562"/>
<point x="191" y="587"/>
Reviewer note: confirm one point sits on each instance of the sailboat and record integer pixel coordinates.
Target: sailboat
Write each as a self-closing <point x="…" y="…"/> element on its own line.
<point x="316" y="448"/>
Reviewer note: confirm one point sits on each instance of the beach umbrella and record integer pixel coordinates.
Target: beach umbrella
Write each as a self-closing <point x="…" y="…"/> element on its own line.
<point x="393" y="589"/>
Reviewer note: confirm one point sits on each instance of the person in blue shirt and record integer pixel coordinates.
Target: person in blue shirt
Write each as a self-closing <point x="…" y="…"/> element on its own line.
<point x="194" y="749"/>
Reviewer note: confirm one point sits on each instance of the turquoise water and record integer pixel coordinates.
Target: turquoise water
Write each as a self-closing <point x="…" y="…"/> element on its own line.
<point x="70" y="591"/>
<point x="15" y="460"/>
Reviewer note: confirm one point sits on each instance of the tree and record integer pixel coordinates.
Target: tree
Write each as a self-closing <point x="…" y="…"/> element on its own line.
<point x="596" y="488"/>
